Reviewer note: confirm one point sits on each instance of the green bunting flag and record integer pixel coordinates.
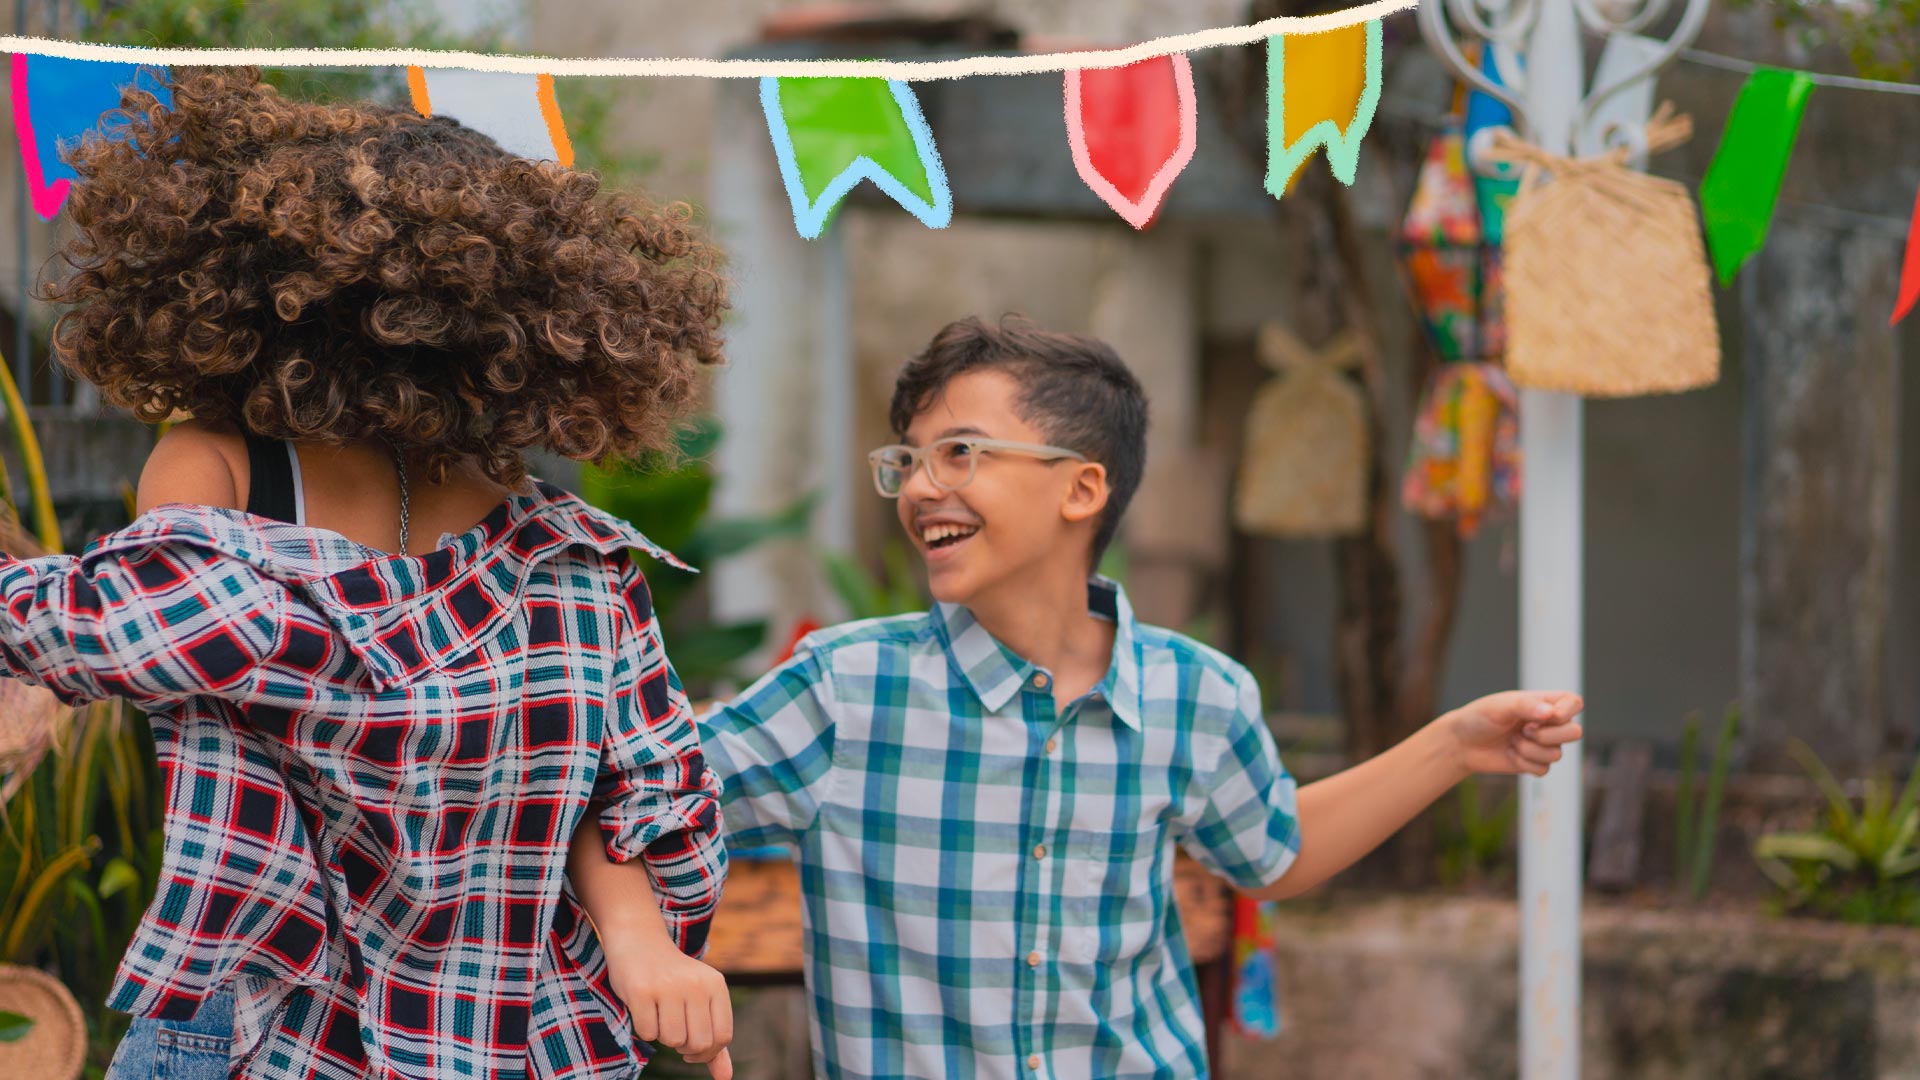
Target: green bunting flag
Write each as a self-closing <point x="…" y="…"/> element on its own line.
<point x="830" y="134"/>
<point x="1738" y="193"/>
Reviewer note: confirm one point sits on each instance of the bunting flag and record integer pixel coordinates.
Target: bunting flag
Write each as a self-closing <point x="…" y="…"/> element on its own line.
<point x="1743" y="182"/>
<point x="517" y="111"/>
<point x="830" y="134"/>
<point x="1132" y="129"/>
<point x="1322" y="90"/>
<point x="55" y="102"/>
<point x="1909" y="269"/>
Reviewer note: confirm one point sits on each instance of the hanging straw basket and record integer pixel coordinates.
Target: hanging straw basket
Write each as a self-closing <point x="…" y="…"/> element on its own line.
<point x="1607" y="287"/>
<point x="1304" y="472"/>
<point x="55" y="1048"/>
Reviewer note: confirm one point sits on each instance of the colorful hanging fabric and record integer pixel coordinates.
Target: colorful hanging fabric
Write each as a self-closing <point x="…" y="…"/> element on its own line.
<point x="1441" y="240"/>
<point x="830" y="134"/>
<point x="55" y="102"/>
<point x="517" y="111"/>
<point x="1485" y="113"/>
<point x="1465" y="460"/>
<point x="1256" y="987"/>
<point x="1132" y="130"/>
<point x="1742" y="184"/>
<point x="1322" y="90"/>
<point x="1303" y="471"/>
<point x="1909" y="270"/>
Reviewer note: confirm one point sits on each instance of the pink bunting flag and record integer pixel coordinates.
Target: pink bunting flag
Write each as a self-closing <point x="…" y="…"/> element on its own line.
<point x="1909" y="270"/>
<point x="1132" y="131"/>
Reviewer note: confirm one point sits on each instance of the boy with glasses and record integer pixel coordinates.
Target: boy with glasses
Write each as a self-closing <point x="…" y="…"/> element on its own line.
<point x="985" y="797"/>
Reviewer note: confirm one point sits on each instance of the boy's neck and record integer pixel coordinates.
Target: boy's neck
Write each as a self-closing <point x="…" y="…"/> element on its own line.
<point x="1046" y="622"/>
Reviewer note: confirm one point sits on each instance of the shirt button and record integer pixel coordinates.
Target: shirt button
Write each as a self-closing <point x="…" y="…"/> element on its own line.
<point x="1033" y="958"/>
<point x="1039" y="851"/>
<point x="1040" y="680"/>
<point x="1052" y="745"/>
<point x="1033" y="1061"/>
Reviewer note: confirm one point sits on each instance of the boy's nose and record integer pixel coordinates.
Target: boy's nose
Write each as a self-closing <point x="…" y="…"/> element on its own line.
<point x="919" y="486"/>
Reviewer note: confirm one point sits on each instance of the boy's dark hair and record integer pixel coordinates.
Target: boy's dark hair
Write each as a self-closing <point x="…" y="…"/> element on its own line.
<point x="340" y="272"/>
<point x="1075" y="389"/>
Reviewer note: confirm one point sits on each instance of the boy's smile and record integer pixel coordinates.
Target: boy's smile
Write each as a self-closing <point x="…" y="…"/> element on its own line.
<point x="1017" y="517"/>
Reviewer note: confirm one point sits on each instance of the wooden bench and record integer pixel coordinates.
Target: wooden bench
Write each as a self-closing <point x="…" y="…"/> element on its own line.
<point x="756" y="938"/>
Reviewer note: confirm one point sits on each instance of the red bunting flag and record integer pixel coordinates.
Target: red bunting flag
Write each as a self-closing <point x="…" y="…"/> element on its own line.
<point x="1132" y="131"/>
<point x="1910" y="270"/>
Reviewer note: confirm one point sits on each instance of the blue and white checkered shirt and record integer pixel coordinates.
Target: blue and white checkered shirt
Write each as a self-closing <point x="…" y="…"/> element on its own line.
<point x="988" y="883"/>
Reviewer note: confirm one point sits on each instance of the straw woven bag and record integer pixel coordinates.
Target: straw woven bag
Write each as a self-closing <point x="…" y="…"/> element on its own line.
<point x="1607" y="286"/>
<point x="1304" y="472"/>
<point x="55" y="1048"/>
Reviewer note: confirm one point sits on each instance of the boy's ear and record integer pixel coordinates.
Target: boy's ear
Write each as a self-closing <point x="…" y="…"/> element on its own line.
<point x="1087" y="496"/>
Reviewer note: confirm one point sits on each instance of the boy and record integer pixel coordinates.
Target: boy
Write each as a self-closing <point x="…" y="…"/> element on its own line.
<point x="985" y="797"/>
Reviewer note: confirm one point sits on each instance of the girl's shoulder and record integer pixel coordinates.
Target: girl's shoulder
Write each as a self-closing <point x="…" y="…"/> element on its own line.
<point x="195" y="461"/>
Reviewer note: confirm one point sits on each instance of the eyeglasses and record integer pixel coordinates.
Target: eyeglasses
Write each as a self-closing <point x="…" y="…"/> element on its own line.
<point x="950" y="462"/>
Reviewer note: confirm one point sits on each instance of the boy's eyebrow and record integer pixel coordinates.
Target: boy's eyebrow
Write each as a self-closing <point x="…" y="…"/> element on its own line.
<point x="950" y="433"/>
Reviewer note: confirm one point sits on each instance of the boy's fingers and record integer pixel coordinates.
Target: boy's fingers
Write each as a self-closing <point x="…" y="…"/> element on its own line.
<point x="722" y="1066"/>
<point x="1536" y="754"/>
<point x="1556" y="735"/>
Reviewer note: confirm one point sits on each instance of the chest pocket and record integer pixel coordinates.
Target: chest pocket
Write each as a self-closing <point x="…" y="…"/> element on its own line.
<point x="1120" y="884"/>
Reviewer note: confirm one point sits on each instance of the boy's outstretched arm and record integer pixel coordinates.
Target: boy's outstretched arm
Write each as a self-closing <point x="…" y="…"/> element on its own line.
<point x="1347" y="815"/>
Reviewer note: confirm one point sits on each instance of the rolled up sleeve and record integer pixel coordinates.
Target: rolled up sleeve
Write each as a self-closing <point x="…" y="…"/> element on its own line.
<point x="660" y="802"/>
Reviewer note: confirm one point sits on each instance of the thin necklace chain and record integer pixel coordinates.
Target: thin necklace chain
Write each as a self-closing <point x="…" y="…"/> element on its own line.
<point x="400" y="463"/>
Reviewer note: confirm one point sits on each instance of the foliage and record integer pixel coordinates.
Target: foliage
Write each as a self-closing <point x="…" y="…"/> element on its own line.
<point x="895" y="592"/>
<point x="1860" y="865"/>
<point x="1880" y="37"/>
<point x="668" y="498"/>
<point x="1474" y="845"/>
<point x="346" y="24"/>
<point x="1697" y="820"/>
<point x="14" y="1027"/>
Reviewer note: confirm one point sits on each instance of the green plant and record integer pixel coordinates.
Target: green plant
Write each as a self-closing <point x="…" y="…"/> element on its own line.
<point x="1880" y="37"/>
<point x="14" y="1027"/>
<point x="895" y="592"/>
<point x="667" y="497"/>
<point x="1473" y="844"/>
<point x="1697" y="820"/>
<point x="1859" y="866"/>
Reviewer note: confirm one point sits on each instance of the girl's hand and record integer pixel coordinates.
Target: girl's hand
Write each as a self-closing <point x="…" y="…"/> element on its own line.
<point x="676" y="1001"/>
<point x="1519" y="731"/>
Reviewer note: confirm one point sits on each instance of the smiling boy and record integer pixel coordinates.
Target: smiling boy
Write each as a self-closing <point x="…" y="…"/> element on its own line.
<point x="985" y="797"/>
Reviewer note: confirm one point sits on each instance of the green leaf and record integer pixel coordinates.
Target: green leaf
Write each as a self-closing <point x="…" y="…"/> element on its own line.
<point x="710" y="652"/>
<point x="856" y="588"/>
<point x="119" y="874"/>
<point x="14" y="1027"/>
<point x="731" y="536"/>
<point x="1810" y="846"/>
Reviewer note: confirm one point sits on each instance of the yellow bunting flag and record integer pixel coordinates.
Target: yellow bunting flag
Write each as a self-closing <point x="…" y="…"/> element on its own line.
<point x="1322" y="90"/>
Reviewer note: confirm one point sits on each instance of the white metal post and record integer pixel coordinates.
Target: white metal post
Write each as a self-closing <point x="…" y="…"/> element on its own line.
<point x="1552" y="110"/>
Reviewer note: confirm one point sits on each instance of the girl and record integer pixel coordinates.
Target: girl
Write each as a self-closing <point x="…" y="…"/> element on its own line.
<point x="388" y="672"/>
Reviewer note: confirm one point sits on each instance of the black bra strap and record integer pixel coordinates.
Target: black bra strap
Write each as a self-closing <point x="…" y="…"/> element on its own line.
<point x="270" y="491"/>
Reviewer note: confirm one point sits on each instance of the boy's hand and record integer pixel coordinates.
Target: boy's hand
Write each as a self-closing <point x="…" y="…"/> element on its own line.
<point x="1519" y="731"/>
<point x="676" y="1001"/>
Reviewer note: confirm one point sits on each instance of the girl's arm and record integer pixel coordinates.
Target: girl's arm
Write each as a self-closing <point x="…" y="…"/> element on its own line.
<point x="673" y="998"/>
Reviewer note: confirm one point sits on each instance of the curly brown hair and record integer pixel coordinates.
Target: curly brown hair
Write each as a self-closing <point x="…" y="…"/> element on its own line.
<point x="341" y="272"/>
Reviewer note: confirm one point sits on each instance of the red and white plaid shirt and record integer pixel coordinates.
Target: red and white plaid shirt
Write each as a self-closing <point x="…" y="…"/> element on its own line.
<point x="373" y="769"/>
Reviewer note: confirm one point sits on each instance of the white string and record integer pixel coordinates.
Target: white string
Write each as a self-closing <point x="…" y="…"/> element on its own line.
<point x="1033" y="64"/>
<point x="1844" y="82"/>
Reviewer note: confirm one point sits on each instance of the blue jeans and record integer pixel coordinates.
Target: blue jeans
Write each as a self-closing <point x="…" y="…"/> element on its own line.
<point x="195" y="1049"/>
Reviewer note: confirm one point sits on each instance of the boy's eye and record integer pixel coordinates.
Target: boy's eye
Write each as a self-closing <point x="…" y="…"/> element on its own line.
<point x="956" y="451"/>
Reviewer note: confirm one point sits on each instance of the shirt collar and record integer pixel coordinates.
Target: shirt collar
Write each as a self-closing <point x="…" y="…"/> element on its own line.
<point x="402" y="615"/>
<point x="995" y="673"/>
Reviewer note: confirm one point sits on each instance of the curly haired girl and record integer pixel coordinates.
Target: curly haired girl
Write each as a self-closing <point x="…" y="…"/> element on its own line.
<point x="377" y="743"/>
